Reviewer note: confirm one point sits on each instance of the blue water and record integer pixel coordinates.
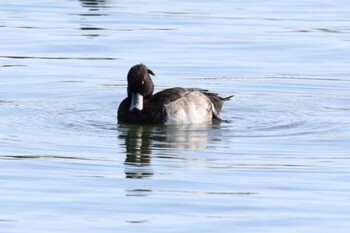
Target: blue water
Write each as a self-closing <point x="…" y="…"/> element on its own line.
<point x="279" y="162"/>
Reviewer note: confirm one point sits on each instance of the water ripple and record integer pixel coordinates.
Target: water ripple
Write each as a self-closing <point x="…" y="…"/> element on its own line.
<point x="60" y="58"/>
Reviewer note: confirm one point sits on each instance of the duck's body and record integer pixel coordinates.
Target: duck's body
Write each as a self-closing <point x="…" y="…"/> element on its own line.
<point x="170" y="106"/>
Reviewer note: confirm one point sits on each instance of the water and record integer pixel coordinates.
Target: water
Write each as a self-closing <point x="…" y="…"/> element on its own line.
<point x="279" y="162"/>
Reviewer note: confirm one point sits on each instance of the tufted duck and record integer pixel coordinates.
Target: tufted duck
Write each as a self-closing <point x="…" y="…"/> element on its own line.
<point x="170" y="106"/>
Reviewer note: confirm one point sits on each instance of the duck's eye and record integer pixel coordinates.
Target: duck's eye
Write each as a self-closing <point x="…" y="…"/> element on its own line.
<point x="143" y="82"/>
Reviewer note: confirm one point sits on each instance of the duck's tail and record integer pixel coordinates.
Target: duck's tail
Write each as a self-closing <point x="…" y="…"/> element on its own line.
<point x="223" y="99"/>
<point x="217" y="102"/>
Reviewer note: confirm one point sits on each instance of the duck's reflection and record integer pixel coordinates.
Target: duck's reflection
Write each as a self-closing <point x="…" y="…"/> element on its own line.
<point x="137" y="144"/>
<point x="140" y="141"/>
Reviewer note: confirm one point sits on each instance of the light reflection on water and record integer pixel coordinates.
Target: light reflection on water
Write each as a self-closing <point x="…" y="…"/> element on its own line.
<point x="278" y="162"/>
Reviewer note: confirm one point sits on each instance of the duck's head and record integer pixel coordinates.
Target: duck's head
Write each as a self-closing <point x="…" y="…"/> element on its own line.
<point x="140" y="86"/>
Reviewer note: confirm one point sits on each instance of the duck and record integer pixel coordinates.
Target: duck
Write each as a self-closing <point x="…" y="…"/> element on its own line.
<point x="175" y="105"/>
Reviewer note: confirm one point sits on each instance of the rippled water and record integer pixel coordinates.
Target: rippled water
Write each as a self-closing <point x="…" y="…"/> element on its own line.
<point x="279" y="162"/>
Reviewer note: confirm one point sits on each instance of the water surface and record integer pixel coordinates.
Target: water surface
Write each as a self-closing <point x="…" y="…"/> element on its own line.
<point x="279" y="162"/>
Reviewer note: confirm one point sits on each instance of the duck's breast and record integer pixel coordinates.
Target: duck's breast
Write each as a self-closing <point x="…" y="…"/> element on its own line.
<point x="193" y="107"/>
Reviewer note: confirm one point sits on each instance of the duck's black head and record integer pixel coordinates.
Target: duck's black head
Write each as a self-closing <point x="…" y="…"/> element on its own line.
<point x="140" y="86"/>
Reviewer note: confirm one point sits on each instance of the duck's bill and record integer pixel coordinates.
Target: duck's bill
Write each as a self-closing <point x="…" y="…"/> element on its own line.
<point x="136" y="102"/>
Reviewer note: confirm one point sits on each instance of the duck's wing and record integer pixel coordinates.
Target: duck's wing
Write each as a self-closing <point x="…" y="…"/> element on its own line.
<point x="193" y="107"/>
<point x="169" y="95"/>
<point x="190" y="99"/>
